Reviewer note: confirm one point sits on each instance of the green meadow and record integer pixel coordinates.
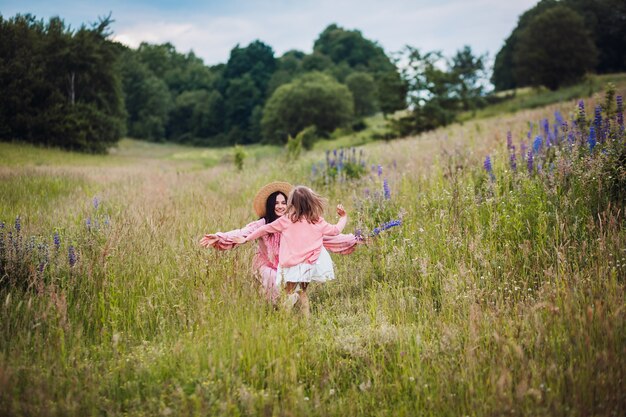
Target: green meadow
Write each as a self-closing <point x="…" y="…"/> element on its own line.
<point x="501" y="293"/>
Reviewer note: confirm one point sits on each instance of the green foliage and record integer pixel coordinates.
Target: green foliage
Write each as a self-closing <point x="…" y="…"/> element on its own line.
<point x="554" y="49"/>
<point x="308" y="137"/>
<point x="147" y="99"/>
<point x="293" y="147"/>
<point x="469" y="73"/>
<point x="351" y="52"/>
<point x="602" y="22"/>
<point x="314" y="99"/>
<point x="59" y="87"/>
<point x="240" y="156"/>
<point x="363" y="91"/>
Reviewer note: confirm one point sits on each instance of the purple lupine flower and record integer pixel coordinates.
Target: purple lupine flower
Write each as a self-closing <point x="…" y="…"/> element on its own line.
<point x="380" y="170"/>
<point x="387" y="191"/>
<point x="597" y="120"/>
<point x="513" y="161"/>
<point x="581" y="110"/>
<point x="529" y="162"/>
<point x="487" y="164"/>
<point x="41" y="267"/>
<point x="509" y="140"/>
<point x="18" y="225"/>
<point x="537" y="144"/>
<point x="546" y="129"/>
<point x="57" y="240"/>
<point x="366" y="192"/>
<point x="96" y="203"/>
<point x="592" y="138"/>
<point x="358" y="235"/>
<point x="523" y="149"/>
<point x="88" y="223"/>
<point x="530" y="130"/>
<point x="620" y="111"/>
<point x="488" y="167"/>
<point x="558" y="118"/>
<point x="335" y="153"/>
<point x="106" y="221"/>
<point x="1" y="225"/>
<point x="385" y="226"/>
<point x="71" y="256"/>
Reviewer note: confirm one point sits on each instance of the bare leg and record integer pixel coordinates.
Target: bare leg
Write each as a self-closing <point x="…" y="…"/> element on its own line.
<point x="304" y="303"/>
<point x="292" y="296"/>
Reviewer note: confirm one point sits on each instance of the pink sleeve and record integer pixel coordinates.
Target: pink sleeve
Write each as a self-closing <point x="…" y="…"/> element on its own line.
<point x="225" y="240"/>
<point x="342" y="244"/>
<point x="332" y="229"/>
<point x="276" y="226"/>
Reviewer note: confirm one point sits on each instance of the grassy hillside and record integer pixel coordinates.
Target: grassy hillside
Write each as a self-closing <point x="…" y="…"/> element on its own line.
<point x="502" y="292"/>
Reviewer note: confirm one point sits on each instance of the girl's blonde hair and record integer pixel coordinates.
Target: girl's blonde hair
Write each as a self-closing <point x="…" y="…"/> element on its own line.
<point x="304" y="203"/>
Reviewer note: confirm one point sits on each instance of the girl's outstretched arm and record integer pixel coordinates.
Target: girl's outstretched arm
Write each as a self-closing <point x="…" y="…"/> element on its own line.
<point x="276" y="226"/>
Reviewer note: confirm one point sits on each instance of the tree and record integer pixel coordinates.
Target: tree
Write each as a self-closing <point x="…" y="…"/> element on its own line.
<point x="432" y="86"/>
<point x="469" y="71"/>
<point x="60" y="87"/>
<point x="554" y="49"/>
<point x="348" y="49"/>
<point x="363" y="90"/>
<point x="315" y="99"/>
<point x="147" y="99"/>
<point x="503" y="77"/>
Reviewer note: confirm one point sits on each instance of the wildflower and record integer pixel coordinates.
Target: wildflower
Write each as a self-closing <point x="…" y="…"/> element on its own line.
<point x="537" y="144"/>
<point x="509" y="140"/>
<point x="488" y="167"/>
<point x="530" y="131"/>
<point x="597" y="121"/>
<point x="366" y="192"/>
<point x="96" y="203"/>
<point x="387" y="191"/>
<point x="581" y="110"/>
<point x="620" y="111"/>
<point x="529" y="162"/>
<point x="592" y="138"/>
<point x="71" y="256"/>
<point x="380" y="170"/>
<point x="385" y="226"/>
<point x="88" y="223"/>
<point x="18" y="224"/>
<point x="523" y="149"/>
<point x="512" y="161"/>
<point x="57" y="240"/>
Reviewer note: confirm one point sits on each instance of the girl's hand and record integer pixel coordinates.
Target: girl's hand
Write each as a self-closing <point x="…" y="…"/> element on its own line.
<point x="239" y="239"/>
<point x="340" y="210"/>
<point x="208" y="240"/>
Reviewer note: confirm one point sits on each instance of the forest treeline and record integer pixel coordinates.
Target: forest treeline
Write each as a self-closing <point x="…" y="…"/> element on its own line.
<point x="557" y="41"/>
<point x="77" y="89"/>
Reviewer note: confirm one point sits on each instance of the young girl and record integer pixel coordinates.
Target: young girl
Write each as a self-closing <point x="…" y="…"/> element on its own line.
<point x="302" y="257"/>
<point x="269" y="204"/>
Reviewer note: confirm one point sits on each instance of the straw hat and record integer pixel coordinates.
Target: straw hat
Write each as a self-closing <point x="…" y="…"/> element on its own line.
<point x="261" y="196"/>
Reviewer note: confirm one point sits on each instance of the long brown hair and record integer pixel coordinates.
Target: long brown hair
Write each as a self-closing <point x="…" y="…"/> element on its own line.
<point x="304" y="203"/>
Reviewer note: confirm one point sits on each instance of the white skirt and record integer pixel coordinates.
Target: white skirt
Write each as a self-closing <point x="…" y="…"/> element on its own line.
<point x="322" y="270"/>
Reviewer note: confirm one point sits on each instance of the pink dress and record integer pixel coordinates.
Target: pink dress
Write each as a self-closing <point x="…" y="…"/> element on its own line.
<point x="265" y="261"/>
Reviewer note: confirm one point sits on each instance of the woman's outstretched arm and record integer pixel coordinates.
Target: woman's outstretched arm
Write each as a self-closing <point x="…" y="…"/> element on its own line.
<point x="231" y="239"/>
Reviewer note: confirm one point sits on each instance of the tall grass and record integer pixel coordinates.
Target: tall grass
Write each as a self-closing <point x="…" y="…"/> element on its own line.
<point x="492" y="298"/>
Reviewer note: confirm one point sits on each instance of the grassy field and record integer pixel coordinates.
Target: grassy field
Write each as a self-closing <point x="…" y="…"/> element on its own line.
<point x="496" y="296"/>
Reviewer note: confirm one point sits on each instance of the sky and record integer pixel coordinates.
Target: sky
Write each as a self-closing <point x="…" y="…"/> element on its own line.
<point x="211" y="29"/>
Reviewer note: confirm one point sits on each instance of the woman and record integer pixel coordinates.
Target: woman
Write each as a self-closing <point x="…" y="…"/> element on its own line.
<point x="270" y="203"/>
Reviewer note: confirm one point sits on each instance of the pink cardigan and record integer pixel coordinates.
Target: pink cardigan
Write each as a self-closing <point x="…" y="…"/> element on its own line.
<point x="269" y="245"/>
<point x="301" y="241"/>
